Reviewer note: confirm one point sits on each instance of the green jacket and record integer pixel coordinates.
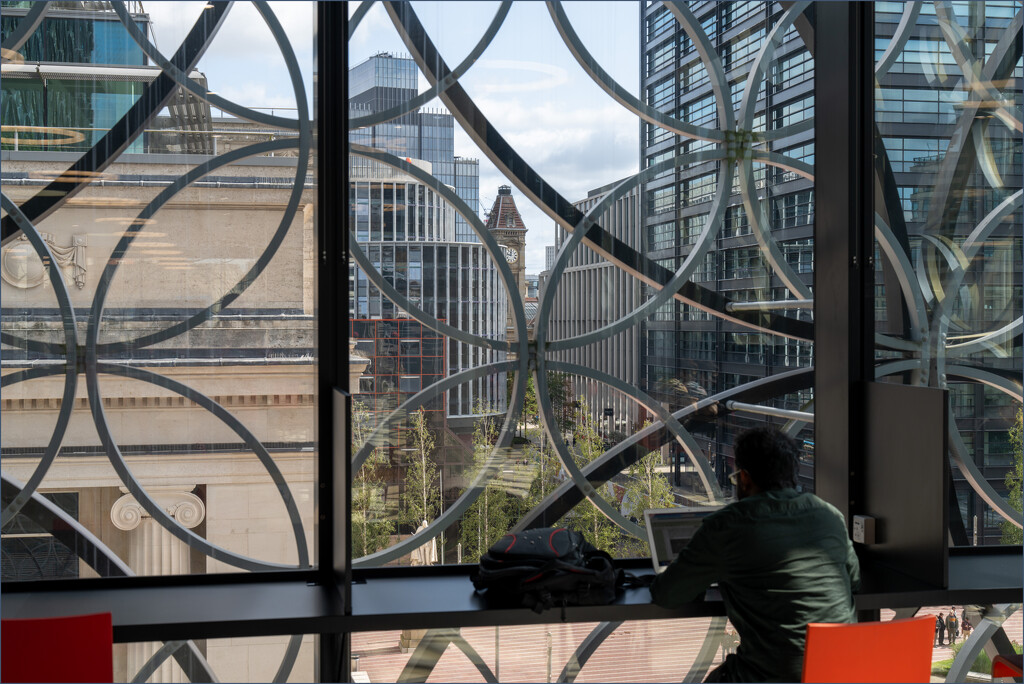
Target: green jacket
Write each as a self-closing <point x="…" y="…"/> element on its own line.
<point x="782" y="559"/>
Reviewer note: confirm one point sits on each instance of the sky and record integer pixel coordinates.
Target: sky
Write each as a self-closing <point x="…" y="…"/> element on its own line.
<point x="527" y="83"/>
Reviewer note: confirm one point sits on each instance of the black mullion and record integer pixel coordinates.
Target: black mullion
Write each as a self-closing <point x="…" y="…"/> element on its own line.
<point x="844" y="275"/>
<point x="332" y="294"/>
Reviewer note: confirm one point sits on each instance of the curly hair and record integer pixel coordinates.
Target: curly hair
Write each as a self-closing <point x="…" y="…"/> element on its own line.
<point x="769" y="456"/>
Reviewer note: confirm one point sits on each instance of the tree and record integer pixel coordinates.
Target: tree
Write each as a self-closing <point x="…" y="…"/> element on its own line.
<point x="495" y="510"/>
<point x="560" y="393"/>
<point x="1014" y="479"/>
<point x="549" y="474"/>
<point x="422" y="498"/>
<point x="647" y="488"/>
<point x="530" y="406"/>
<point x="585" y="517"/>
<point x="371" y="530"/>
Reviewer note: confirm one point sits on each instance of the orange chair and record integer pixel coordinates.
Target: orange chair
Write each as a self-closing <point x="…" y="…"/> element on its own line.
<point x="1009" y="667"/>
<point x="78" y="648"/>
<point x="894" y="651"/>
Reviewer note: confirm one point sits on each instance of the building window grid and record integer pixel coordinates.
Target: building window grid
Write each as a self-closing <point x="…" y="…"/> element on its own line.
<point x="742" y="48"/>
<point x="735" y="13"/>
<point x="660" y="57"/>
<point x="917" y="105"/>
<point x="791" y="70"/>
<point x="698" y="190"/>
<point x="792" y="112"/>
<point x="793" y="210"/>
<point x="803" y="153"/>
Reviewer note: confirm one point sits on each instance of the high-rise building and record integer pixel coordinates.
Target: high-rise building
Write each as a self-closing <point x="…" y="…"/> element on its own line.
<point x="384" y="81"/>
<point x="916" y="115"/>
<point x="407" y="230"/>
<point x="77" y="43"/>
<point x="591" y="294"/>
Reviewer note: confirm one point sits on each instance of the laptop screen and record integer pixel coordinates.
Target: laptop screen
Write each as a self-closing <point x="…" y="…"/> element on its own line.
<point x="670" y="529"/>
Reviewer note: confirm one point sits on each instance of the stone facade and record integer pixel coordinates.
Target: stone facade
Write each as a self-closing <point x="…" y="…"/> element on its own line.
<point x="256" y="359"/>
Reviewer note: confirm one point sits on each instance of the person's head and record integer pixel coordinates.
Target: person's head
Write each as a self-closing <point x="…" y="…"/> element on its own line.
<point x="766" y="459"/>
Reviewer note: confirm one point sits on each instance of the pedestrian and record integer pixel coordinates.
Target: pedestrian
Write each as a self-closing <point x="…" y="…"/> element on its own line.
<point x="729" y="642"/>
<point x="951" y="627"/>
<point x="966" y="627"/>
<point x="940" y="629"/>
<point x="782" y="558"/>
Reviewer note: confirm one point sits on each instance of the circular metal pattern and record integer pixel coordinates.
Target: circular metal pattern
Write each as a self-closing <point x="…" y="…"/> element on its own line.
<point x="734" y="138"/>
<point x="582" y="229"/>
<point x="86" y="357"/>
<point x="927" y="289"/>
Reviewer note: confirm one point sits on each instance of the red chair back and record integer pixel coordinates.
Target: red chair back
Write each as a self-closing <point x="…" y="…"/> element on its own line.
<point x="78" y="648"/>
<point x="894" y="651"/>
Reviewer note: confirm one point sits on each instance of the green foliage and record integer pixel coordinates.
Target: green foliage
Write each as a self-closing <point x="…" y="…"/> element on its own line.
<point x="495" y="510"/>
<point x="530" y="407"/>
<point x="422" y="498"/>
<point x="982" y="663"/>
<point x="548" y="476"/>
<point x="371" y="530"/>
<point x="560" y="393"/>
<point x="586" y="518"/>
<point x="647" y="488"/>
<point x="1011" y="533"/>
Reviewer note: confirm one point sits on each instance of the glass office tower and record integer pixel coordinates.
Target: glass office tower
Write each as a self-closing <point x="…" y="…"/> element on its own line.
<point x="86" y="98"/>
<point x="384" y="81"/>
<point x="918" y="107"/>
<point x="686" y="353"/>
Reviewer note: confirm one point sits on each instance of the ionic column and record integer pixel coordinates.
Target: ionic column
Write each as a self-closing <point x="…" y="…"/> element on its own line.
<point x="153" y="550"/>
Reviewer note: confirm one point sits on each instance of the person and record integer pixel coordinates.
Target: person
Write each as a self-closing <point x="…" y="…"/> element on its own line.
<point x="729" y="642"/>
<point x="966" y="627"/>
<point x="940" y="629"/>
<point x="782" y="558"/>
<point x="951" y="627"/>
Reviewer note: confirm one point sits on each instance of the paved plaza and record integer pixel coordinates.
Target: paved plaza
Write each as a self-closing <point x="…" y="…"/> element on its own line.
<point x="641" y="651"/>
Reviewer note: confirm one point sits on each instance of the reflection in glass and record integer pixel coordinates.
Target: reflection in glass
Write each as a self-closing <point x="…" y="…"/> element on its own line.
<point x="158" y="323"/>
<point x="948" y="229"/>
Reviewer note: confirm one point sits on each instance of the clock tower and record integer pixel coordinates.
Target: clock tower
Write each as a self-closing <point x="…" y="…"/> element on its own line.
<point x="506" y="224"/>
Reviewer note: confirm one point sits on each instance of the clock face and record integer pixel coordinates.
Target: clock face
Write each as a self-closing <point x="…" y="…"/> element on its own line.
<point x="511" y="255"/>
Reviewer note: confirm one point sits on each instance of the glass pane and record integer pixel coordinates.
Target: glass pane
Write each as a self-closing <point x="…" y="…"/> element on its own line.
<point x="948" y="249"/>
<point x="158" y="321"/>
<point x="239" y="659"/>
<point x="683" y="317"/>
<point x="646" y="651"/>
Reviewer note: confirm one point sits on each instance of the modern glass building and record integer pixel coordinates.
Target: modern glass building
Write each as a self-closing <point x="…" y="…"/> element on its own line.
<point x="823" y="232"/>
<point x="85" y="94"/>
<point x="591" y="294"/>
<point x="407" y="231"/>
<point x="918" y="109"/>
<point x="384" y="81"/>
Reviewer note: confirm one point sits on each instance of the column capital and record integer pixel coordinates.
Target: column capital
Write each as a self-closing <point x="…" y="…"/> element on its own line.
<point x="186" y="508"/>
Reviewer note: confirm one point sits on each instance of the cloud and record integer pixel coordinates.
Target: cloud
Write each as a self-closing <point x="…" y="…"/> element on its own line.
<point x="243" y="57"/>
<point x="556" y="76"/>
<point x="573" y="150"/>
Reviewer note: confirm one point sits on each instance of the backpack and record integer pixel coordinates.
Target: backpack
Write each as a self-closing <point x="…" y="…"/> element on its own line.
<point x="547" y="567"/>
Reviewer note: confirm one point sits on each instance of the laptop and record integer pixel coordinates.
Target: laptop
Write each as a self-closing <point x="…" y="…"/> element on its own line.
<point x="670" y="529"/>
